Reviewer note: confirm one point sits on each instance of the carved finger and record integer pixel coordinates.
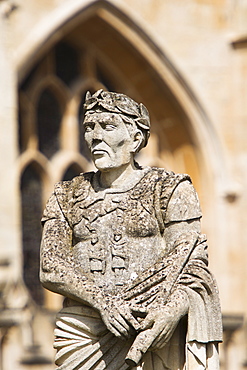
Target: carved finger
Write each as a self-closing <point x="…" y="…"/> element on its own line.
<point x="122" y="324"/>
<point x="115" y="327"/>
<point x="112" y="329"/>
<point x="163" y="337"/>
<point x="139" y="310"/>
<point x="140" y="346"/>
<point x="147" y="322"/>
<point x="131" y="319"/>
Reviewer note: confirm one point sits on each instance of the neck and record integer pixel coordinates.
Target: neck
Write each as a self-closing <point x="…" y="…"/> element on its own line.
<point x="115" y="178"/>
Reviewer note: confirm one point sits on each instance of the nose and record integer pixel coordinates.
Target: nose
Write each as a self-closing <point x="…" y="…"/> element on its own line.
<point x="97" y="132"/>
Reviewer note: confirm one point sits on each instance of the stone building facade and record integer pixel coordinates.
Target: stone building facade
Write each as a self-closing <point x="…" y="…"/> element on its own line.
<point x="187" y="62"/>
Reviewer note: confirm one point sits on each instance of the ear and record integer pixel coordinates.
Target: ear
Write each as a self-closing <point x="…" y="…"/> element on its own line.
<point x="137" y="141"/>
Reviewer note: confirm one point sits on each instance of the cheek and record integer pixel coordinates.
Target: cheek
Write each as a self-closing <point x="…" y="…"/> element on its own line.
<point x="119" y="139"/>
<point x="88" y="139"/>
<point x="120" y="147"/>
<point x="121" y="143"/>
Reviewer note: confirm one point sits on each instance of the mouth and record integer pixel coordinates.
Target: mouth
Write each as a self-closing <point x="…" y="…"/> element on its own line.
<point x="98" y="151"/>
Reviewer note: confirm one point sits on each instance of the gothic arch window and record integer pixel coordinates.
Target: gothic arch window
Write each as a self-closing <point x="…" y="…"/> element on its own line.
<point x="54" y="92"/>
<point x="50" y="127"/>
<point x="66" y="62"/>
<point x="82" y="144"/>
<point x="72" y="171"/>
<point x="31" y="205"/>
<point x="98" y="50"/>
<point x="49" y="115"/>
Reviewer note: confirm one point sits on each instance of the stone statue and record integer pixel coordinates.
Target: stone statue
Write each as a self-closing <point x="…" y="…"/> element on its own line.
<point x="123" y="245"/>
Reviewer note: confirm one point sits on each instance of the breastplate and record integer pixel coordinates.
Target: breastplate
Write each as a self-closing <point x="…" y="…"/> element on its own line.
<point x="117" y="237"/>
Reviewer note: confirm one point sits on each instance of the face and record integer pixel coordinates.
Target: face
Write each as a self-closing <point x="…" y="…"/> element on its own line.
<point x="109" y="141"/>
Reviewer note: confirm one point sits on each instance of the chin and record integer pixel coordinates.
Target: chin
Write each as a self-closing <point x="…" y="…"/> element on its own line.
<point x="101" y="166"/>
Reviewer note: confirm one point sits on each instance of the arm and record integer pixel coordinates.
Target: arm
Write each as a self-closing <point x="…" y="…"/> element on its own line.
<point x="182" y="216"/>
<point x="58" y="272"/>
<point x="162" y="319"/>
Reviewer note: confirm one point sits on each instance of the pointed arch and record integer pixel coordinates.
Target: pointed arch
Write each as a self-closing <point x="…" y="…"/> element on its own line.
<point x="66" y="160"/>
<point x="48" y="121"/>
<point x="73" y="170"/>
<point x="31" y="200"/>
<point x="148" y="75"/>
<point x="38" y="161"/>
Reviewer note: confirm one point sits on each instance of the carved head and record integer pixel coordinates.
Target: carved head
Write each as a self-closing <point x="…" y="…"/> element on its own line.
<point x="116" y="128"/>
<point x="134" y="115"/>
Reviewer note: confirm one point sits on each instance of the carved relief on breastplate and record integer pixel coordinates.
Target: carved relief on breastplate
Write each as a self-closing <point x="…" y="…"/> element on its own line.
<point x="108" y="239"/>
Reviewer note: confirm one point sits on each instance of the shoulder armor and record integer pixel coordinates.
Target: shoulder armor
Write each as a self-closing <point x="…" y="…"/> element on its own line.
<point x="166" y="182"/>
<point x="183" y="204"/>
<point x="69" y="192"/>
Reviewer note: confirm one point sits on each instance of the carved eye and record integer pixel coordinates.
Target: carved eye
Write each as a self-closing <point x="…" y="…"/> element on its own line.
<point x="109" y="127"/>
<point x="88" y="127"/>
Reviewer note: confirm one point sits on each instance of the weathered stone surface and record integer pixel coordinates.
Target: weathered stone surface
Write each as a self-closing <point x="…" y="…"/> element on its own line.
<point x="123" y="245"/>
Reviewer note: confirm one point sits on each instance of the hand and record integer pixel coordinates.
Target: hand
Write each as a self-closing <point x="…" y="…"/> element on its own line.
<point x="157" y="328"/>
<point x="160" y="324"/>
<point x="164" y="320"/>
<point x="120" y="317"/>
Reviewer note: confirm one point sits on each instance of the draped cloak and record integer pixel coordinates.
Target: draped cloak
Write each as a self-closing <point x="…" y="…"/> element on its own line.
<point x="111" y="238"/>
